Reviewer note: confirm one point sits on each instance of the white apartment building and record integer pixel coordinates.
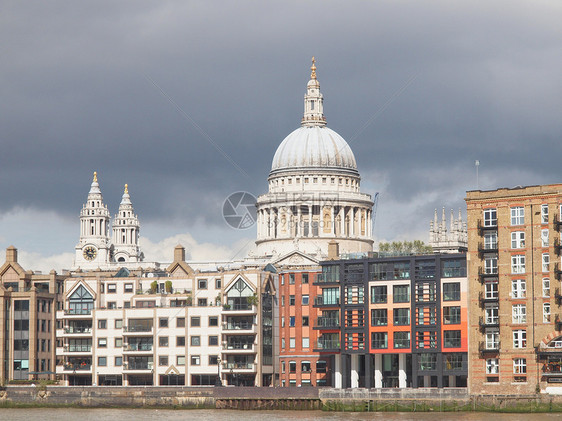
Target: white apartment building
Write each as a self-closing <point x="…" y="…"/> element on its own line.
<point x="182" y="327"/>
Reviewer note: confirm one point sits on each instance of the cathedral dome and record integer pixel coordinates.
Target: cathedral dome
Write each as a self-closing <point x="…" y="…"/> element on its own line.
<point x="313" y="147"/>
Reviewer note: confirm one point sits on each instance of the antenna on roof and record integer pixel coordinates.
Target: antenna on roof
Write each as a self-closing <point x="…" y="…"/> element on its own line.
<point x="477" y="164"/>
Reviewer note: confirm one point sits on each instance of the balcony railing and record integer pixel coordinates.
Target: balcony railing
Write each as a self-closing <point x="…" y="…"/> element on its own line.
<point x="492" y="347"/>
<point x="141" y="329"/>
<point x="320" y="301"/>
<point x="238" y="366"/>
<point x="138" y="366"/>
<point x="77" y="367"/>
<point x="77" y="330"/>
<point x="487" y="248"/>
<point x="485" y="322"/>
<point x="455" y="365"/>
<point x="238" y="326"/>
<point x="557" y="272"/>
<point x="327" y="322"/>
<point x="78" y="312"/>
<point x="138" y="347"/>
<point x="484" y="298"/>
<point x="328" y="344"/>
<point x="321" y="279"/>
<point x="487" y="273"/>
<point x="237" y="307"/>
<point x="556" y="222"/>
<point x="238" y="345"/>
<point x="78" y="348"/>
<point x="481" y="227"/>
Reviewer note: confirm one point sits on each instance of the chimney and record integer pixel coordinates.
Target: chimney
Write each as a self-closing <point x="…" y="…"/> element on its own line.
<point x="11" y="255"/>
<point x="333" y="250"/>
<point x="179" y="253"/>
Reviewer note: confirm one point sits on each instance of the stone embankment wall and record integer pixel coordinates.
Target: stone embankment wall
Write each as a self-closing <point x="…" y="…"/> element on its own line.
<point x="292" y="398"/>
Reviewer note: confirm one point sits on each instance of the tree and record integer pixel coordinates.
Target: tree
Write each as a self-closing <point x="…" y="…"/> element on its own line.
<point x="405" y="247"/>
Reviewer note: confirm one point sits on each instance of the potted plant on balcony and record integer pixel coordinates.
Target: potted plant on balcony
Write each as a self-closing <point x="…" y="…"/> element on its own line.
<point x="153" y="287"/>
<point x="168" y="286"/>
<point x="253" y="300"/>
<point x="218" y="299"/>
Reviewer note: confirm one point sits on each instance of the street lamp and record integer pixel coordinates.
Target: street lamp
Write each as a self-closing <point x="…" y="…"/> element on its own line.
<point x="219" y="381"/>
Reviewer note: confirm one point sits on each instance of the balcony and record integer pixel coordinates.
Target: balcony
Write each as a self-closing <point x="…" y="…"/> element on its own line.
<point x="327" y="323"/>
<point x="319" y="301"/>
<point x="327" y="345"/>
<point x="482" y="228"/>
<point x="239" y="327"/>
<point x="78" y="312"/>
<point x="487" y="248"/>
<point x="485" y="322"/>
<point x="558" y="322"/>
<point x="78" y="349"/>
<point x="78" y="331"/>
<point x="557" y="272"/>
<point x="483" y="299"/>
<point x="137" y="348"/>
<point x="557" y="296"/>
<point x="556" y="222"/>
<point x="487" y="273"/>
<point x="240" y="307"/>
<point x="238" y="366"/>
<point x="138" y="366"/>
<point x="490" y="347"/>
<point x="77" y="367"/>
<point x="557" y="247"/>
<point x="321" y="279"/>
<point x="137" y="330"/>
<point x="238" y="346"/>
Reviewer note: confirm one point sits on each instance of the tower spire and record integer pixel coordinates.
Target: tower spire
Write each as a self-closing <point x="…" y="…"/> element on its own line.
<point x="313" y="101"/>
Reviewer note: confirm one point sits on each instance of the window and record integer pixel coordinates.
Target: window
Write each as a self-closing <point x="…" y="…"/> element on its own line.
<point x="283" y="366"/>
<point x="118" y="323"/>
<point x="491" y="312"/>
<point x="490" y="240"/>
<point x="180" y="360"/>
<point x="517" y="215"/>
<point x="492" y="339"/>
<point x="518" y="240"/>
<point x="283" y="343"/>
<point x="282" y="301"/>
<point x="452" y="291"/>
<point x="305" y="342"/>
<point x="292" y="366"/>
<point x="102" y="361"/>
<point x="321" y="366"/>
<point x="305" y="366"/>
<point x="401" y="340"/>
<point x="111" y="288"/>
<point x="492" y="366"/>
<point x="201" y="302"/>
<point x="490" y="218"/>
<point x="291" y="300"/>
<point x="401" y="316"/>
<point x="520" y="338"/>
<point x="518" y="263"/>
<point x="128" y="288"/>
<point x="195" y="360"/>
<point x="451" y="315"/>
<point x="162" y="341"/>
<point x="304" y="278"/>
<point x="201" y="284"/>
<point x="102" y="342"/>
<point x="292" y="343"/>
<point x="163" y="322"/>
<point x="401" y="294"/>
<point x="519" y="366"/>
<point x="491" y="265"/>
<point x="213" y="340"/>
<point x="544" y="214"/>
<point x="163" y="360"/>
<point x="452" y="339"/>
<point x="282" y="321"/>
<point x="213" y="360"/>
<point x="218" y="283"/>
<point x="379" y="340"/>
<point x="213" y="321"/>
<point x="291" y="321"/>
<point x="180" y="322"/>
<point x="378" y="294"/>
<point x="102" y="324"/>
<point x="545" y="262"/>
<point x="195" y="341"/>
<point x="118" y="361"/>
<point x="379" y="317"/>
<point x="195" y="321"/>
<point x="305" y="321"/>
<point x="546" y="287"/>
<point x="519" y="313"/>
<point x="546" y="312"/>
<point x="180" y="341"/>
<point x="291" y="278"/>
<point x="518" y="288"/>
<point x="544" y="237"/>
<point x="305" y="300"/>
<point x="118" y="342"/>
<point x="491" y="289"/>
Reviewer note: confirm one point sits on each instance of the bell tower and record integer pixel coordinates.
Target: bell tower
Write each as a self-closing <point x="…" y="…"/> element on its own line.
<point x="126" y="229"/>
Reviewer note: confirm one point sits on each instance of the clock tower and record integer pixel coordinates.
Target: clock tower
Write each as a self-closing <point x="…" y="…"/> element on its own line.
<point x="94" y="248"/>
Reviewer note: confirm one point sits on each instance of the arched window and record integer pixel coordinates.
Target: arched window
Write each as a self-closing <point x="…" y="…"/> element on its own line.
<point x="237" y="296"/>
<point x="81" y="301"/>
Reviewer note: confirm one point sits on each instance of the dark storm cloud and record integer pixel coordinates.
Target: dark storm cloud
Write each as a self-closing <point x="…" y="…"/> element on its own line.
<point x="77" y="97"/>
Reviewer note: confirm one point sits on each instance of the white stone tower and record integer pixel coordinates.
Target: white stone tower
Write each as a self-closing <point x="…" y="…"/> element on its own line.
<point x="94" y="248"/>
<point x="314" y="194"/>
<point x="126" y="229"/>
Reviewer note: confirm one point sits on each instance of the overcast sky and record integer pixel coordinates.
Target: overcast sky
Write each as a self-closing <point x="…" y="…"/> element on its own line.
<point x="146" y="92"/>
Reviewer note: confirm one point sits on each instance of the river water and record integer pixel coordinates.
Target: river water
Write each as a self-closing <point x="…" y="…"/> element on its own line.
<point x="74" y="414"/>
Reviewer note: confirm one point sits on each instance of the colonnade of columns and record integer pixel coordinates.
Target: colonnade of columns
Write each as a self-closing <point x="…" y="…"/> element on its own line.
<point x="346" y="371"/>
<point x="314" y="221"/>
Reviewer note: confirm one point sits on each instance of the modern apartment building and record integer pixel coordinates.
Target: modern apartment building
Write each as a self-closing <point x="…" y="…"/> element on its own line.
<point x="394" y="321"/>
<point x="28" y="302"/>
<point x="514" y="266"/>
<point x="179" y="327"/>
